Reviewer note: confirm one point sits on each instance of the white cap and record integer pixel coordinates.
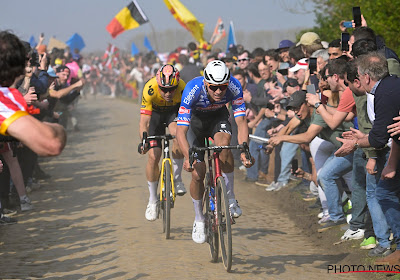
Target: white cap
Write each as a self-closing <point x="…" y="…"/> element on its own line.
<point x="301" y="64"/>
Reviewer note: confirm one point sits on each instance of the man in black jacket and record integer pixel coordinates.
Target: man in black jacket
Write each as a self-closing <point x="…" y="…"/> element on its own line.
<point x="383" y="91"/>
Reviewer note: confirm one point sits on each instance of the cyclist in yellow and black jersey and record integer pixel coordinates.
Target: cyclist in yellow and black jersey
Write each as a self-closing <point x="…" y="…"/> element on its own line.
<point x="153" y="100"/>
<point x="160" y="104"/>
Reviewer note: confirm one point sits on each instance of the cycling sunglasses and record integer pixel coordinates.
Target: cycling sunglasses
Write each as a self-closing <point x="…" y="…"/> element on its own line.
<point x="221" y="87"/>
<point x="168" y="89"/>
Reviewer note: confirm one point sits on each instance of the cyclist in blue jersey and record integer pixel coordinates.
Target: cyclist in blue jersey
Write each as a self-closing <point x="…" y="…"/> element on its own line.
<point x="203" y="109"/>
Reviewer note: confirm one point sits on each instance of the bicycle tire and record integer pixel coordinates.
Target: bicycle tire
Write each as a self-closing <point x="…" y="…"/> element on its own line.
<point x="166" y="200"/>
<point x="211" y="229"/>
<point x="224" y="224"/>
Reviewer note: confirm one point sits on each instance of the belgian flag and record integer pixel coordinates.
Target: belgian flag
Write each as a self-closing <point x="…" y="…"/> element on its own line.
<point x="129" y="17"/>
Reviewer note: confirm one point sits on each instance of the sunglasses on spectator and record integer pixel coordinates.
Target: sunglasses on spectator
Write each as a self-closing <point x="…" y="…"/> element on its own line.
<point x="243" y="59"/>
<point x="168" y="89"/>
<point x="215" y="87"/>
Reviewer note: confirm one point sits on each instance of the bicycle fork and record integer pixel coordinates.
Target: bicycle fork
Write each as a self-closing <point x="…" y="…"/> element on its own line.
<point x="172" y="180"/>
<point x="218" y="173"/>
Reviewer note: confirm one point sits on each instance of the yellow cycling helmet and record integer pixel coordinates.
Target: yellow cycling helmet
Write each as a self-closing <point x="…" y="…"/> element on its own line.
<point x="167" y="76"/>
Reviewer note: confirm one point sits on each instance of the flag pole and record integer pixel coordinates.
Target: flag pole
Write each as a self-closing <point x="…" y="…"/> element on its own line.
<point x="154" y="35"/>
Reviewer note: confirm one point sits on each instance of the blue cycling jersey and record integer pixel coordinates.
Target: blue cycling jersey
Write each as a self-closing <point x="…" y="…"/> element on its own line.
<point x="195" y="99"/>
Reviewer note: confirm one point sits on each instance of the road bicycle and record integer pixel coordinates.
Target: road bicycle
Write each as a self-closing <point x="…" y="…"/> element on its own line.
<point x="166" y="182"/>
<point x="218" y="219"/>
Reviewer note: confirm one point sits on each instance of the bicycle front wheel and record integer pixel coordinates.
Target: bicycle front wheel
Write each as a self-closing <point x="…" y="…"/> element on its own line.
<point x="224" y="223"/>
<point x="211" y="226"/>
<point x="166" y="200"/>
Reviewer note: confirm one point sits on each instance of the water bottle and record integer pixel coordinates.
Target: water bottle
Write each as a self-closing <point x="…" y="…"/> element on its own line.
<point x="211" y="197"/>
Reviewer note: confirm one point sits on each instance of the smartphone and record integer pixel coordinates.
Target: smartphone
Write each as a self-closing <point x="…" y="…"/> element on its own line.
<point x="311" y="89"/>
<point x="348" y="24"/>
<point x="284" y="72"/>
<point x="345" y="41"/>
<point x="312" y="64"/>
<point x="295" y="166"/>
<point x="42" y="34"/>
<point x="357" y="16"/>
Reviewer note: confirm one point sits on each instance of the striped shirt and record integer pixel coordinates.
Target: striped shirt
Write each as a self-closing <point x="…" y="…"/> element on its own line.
<point x="12" y="107"/>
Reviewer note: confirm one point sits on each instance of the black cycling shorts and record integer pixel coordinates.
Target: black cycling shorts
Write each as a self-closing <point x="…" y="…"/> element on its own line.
<point x="158" y="122"/>
<point x="207" y="124"/>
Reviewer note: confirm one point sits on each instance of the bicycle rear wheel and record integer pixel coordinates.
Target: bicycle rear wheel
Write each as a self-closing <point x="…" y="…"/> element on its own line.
<point x="224" y="223"/>
<point x="211" y="228"/>
<point x="166" y="200"/>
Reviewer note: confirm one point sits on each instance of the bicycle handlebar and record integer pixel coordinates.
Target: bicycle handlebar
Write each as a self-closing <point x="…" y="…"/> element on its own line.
<point x="243" y="147"/>
<point x="144" y="139"/>
<point x="156" y="137"/>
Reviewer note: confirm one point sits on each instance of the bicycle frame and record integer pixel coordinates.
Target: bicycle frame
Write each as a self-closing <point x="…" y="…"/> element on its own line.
<point x="168" y="159"/>
<point x="214" y="165"/>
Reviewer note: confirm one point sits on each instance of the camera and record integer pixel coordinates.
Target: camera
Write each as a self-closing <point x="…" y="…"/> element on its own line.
<point x="295" y="166"/>
<point x="348" y="24"/>
<point x="311" y="89"/>
<point x="312" y="64"/>
<point x="357" y="16"/>
<point x="34" y="58"/>
<point x="284" y="72"/>
<point x="345" y="41"/>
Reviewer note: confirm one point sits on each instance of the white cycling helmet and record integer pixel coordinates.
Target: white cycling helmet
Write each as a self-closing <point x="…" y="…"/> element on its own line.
<point x="216" y="73"/>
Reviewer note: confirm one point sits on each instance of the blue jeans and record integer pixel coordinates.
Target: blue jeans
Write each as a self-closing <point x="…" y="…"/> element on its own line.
<point x="288" y="151"/>
<point x="261" y="158"/>
<point x="388" y="192"/>
<point x="381" y="228"/>
<point x="358" y="195"/>
<point x="333" y="169"/>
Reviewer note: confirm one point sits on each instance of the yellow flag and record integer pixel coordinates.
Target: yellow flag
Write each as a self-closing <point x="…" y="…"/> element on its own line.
<point x="186" y="19"/>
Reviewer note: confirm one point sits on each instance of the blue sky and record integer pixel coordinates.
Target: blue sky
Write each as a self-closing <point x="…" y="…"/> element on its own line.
<point x="89" y="18"/>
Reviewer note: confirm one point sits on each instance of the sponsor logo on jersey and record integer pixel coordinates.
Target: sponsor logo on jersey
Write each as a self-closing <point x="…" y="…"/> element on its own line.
<point x="233" y="88"/>
<point x="225" y="131"/>
<point x="201" y="98"/>
<point x="144" y="100"/>
<point x="150" y="91"/>
<point x="190" y="96"/>
<point x="212" y="107"/>
<point x="238" y="101"/>
<point x="183" y="110"/>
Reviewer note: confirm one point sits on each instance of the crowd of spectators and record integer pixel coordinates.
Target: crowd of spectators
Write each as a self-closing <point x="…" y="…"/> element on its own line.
<point x="38" y="92"/>
<point x="335" y="108"/>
